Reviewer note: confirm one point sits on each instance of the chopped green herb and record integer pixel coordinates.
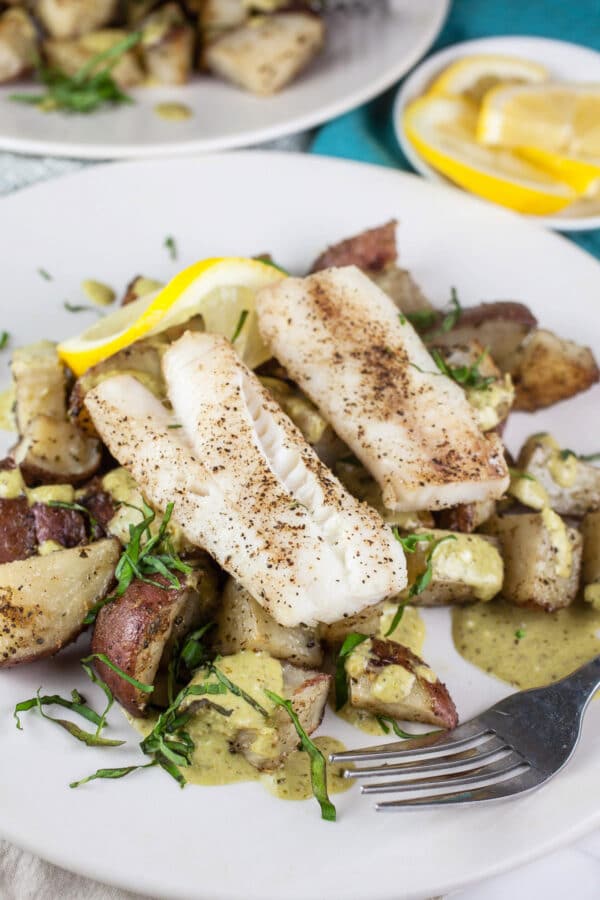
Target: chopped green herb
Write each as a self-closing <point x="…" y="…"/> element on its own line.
<point x="341" y="680"/>
<point x="143" y="556"/>
<point x="466" y="376"/>
<point x="386" y="722"/>
<point x="397" y="618"/>
<point x="452" y="317"/>
<point x="516" y="473"/>
<point x="171" y="246"/>
<point x="79" y="307"/>
<point x="402" y="318"/>
<point x="176" y="425"/>
<point x="520" y="633"/>
<point x="422" y="319"/>
<point x="91" y="740"/>
<point x="410" y="544"/>
<point x="274" y="265"/>
<point x="192" y="655"/>
<point x="411" y="541"/>
<point x="318" y="765"/>
<point x="103" y="658"/>
<point x="44" y="274"/>
<point x="424" y="580"/>
<point x="112" y="773"/>
<point x="89" y="88"/>
<point x="584" y="457"/>
<point x="4" y="339"/>
<point x="77" y="704"/>
<point x="240" y="325"/>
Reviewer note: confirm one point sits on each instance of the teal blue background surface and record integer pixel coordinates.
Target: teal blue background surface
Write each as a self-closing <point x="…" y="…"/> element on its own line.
<point x="367" y="133"/>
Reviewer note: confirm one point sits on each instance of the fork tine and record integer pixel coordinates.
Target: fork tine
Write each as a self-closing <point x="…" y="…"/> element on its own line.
<point x="518" y="784"/>
<point x="432" y="743"/>
<point x="435" y="763"/>
<point x="465" y="778"/>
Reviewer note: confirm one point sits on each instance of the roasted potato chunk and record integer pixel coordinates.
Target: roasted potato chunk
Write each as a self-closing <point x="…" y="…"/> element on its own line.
<point x="572" y="486"/>
<point x="387" y="679"/>
<point x="44" y="599"/>
<point x="40" y="383"/>
<point x="265" y="55"/>
<point x="242" y="624"/>
<point x="54" y="452"/>
<point x="17" y="530"/>
<point x="501" y="327"/>
<point x="467" y="517"/>
<point x="72" y="18"/>
<point x="542" y="558"/>
<point x="547" y="369"/>
<point x="167" y="45"/>
<point x="401" y="287"/>
<point x="590" y="575"/>
<point x="70" y="55"/>
<point x="18" y="44"/>
<point x="135" y="631"/>
<point x="469" y="567"/>
<point x="371" y="250"/>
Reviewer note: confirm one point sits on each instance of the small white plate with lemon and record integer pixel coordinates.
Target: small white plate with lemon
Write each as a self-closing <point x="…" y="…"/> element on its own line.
<point x="502" y="118"/>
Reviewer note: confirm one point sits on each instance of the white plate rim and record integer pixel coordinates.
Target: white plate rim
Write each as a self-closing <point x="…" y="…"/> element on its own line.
<point x="435" y="62"/>
<point x="313" y="119"/>
<point x="354" y="170"/>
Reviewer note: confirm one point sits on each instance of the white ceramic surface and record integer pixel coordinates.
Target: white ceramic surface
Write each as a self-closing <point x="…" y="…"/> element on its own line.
<point x="567" y="62"/>
<point x="364" y="55"/>
<point x="237" y="842"/>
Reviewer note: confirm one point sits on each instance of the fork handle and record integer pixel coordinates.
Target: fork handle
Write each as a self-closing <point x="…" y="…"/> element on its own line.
<point x="584" y="681"/>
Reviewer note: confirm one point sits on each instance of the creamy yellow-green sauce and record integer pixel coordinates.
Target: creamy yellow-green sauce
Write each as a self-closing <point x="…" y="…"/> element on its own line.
<point x="526" y="648"/>
<point x="99" y="293"/>
<point x="8" y="421"/>
<point x="173" y="112"/>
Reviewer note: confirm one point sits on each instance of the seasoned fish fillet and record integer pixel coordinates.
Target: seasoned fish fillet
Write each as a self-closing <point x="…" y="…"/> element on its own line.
<point x="342" y="339"/>
<point x="247" y="487"/>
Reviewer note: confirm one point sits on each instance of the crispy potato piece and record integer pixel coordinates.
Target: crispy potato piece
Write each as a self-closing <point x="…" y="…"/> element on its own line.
<point x="464" y="569"/>
<point x="17" y="529"/>
<point x="401" y="287"/>
<point x="571" y="485"/>
<point x="542" y="558"/>
<point x="387" y="679"/>
<point x="73" y="18"/>
<point x="547" y="369"/>
<point x="264" y="56"/>
<point x="220" y="15"/>
<point x="70" y="54"/>
<point x="501" y="327"/>
<point x="18" y="44"/>
<point x="371" y="250"/>
<point x="168" y="45"/>
<point x="467" y="517"/>
<point x="590" y="575"/>
<point x="242" y="624"/>
<point x="40" y="383"/>
<point x="136" y="631"/>
<point x="365" y="622"/>
<point x="44" y="599"/>
<point x="55" y="452"/>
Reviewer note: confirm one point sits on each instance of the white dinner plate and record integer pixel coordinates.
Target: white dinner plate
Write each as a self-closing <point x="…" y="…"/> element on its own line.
<point x="237" y="842"/>
<point x="565" y="61"/>
<point x="365" y="53"/>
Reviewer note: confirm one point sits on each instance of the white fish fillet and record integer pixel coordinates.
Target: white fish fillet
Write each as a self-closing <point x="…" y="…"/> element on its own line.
<point x="247" y="487"/>
<point x="342" y="340"/>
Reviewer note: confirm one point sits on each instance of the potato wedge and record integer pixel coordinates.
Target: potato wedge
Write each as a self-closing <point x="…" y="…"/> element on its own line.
<point x="542" y="558"/>
<point x="40" y="383"/>
<point x="590" y="574"/>
<point x="572" y="486"/>
<point x="70" y="54"/>
<point x="401" y="287"/>
<point x="501" y="327"/>
<point x="72" y="18"/>
<point x="264" y="56"/>
<point x="136" y="630"/>
<point x="44" y="599"/>
<point x="54" y="452"/>
<point x="242" y="624"/>
<point x="18" y="44"/>
<point x="387" y="679"/>
<point x="547" y="369"/>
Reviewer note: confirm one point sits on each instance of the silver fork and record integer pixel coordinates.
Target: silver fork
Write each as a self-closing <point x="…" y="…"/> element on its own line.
<point x="514" y="747"/>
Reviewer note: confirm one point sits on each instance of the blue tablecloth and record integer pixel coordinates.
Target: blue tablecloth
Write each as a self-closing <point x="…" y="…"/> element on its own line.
<point x="367" y="133"/>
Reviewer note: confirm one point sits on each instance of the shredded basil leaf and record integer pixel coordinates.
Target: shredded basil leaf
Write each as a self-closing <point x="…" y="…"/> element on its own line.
<point x="386" y="722"/>
<point x="318" y="765"/>
<point x="240" y="325"/>
<point x="4" y="339"/>
<point x="238" y="691"/>
<point x="171" y="246"/>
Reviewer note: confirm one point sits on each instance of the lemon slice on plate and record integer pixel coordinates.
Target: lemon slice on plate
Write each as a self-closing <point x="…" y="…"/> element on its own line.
<point x="557" y="118"/>
<point x="473" y="76"/>
<point x="581" y="172"/>
<point x="222" y="290"/>
<point x="442" y="130"/>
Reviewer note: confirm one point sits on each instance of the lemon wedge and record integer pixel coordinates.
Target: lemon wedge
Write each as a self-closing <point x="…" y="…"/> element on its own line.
<point x="443" y="129"/>
<point x="473" y="76"/>
<point x="220" y="289"/>
<point x="557" y="118"/>
<point x="582" y="173"/>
